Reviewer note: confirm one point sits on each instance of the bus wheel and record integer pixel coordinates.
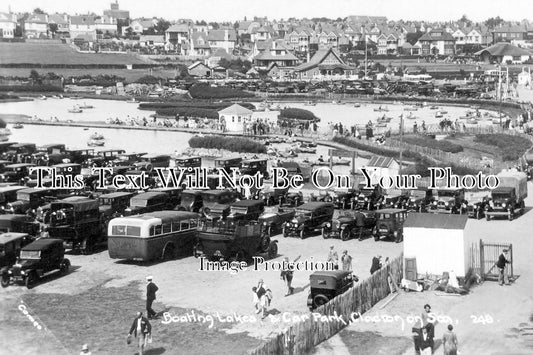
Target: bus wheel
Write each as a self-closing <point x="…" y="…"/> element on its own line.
<point x="169" y="252"/>
<point x="87" y="246"/>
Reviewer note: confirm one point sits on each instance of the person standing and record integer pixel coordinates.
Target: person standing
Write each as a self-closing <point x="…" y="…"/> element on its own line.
<point x="449" y="341"/>
<point x="151" y="289"/>
<point x="286" y="275"/>
<point x="346" y="260"/>
<point x="426" y="342"/>
<point x="142" y="329"/>
<point x="376" y="264"/>
<point x="502" y="267"/>
<point x="333" y="257"/>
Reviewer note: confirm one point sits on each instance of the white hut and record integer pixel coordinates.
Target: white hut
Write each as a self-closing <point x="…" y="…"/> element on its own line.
<point x="434" y="243"/>
<point x="234" y="117"/>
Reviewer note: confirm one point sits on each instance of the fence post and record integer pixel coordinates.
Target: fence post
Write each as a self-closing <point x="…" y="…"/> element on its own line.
<point x="481" y="260"/>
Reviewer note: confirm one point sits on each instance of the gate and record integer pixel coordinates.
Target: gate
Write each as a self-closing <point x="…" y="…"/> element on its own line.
<point x="483" y="259"/>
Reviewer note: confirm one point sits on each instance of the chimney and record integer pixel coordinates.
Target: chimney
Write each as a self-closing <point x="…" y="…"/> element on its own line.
<point x="226" y="35"/>
<point x="308" y="56"/>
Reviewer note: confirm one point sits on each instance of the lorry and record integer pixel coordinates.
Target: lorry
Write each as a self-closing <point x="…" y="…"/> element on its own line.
<point x="508" y="198"/>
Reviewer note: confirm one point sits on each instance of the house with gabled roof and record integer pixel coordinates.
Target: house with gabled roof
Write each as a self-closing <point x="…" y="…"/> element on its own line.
<point x="36" y="26"/>
<point x="140" y="25"/>
<point x="223" y="39"/>
<point x="437" y="41"/>
<point x="326" y="64"/>
<point x="503" y="53"/>
<point x="379" y="166"/>
<point x="276" y="52"/>
<point x="199" y="46"/>
<point x="262" y="33"/>
<point x="460" y="36"/>
<point x="8" y="24"/>
<point x="61" y="21"/>
<point x="509" y="34"/>
<point x="199" y="69"/>
<point x="176" y="36"/>
<point x="300" y="39"/>
<point x="83" y="26"/>
<point x="234" y="117"/>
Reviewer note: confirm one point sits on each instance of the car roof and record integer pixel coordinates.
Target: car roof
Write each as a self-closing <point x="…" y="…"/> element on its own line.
<point x="333" y="273"/>
<point x="247" y="203"/>
<point x="10" y="236"/>
<point x="391" y="210"/>
<point x="192" y="192"/>
<point x="214" y="192"/>
<point x="19" y="165"/>
<point x="187" y="157"/>
<point x="10" y="217"/>
<point x="314" y="205"/>
<point x="116" y="194"/>
<point x="254" y="160"/>
<point x="228" y="158"/>
<point x="12" y="188"/>
<point x="42" y="244"/>
<point x="147" y="195"/>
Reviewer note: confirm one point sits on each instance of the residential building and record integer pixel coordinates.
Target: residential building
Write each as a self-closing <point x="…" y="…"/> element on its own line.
<point x="116" y="13"/>
<point x="508" y="34"/>
<point x="61" y="21"/>
<point x="437" y="41"/>
<point x="199" y="46"/>
<point x="84" y="26"/>
<point x="326" y="64"/>
<point x="177" y="37"/>
<point x="152" y="41"/>
<point x="505" y="53"/>
<point x="106" y="24"/>
<point x="8" y="24"/>
<point x="223" y="39"/>
<point x="36" y="26"/>
<point x="216" y="56"/>
<point x="275" y="52"/>
<point x="199" y="69"/>
<point x="140" y="25"/>
<point x="460" y="36"/>
<point x="263" y="33"/>
<point x="390" y="42"/>
<point x="300" y="39"/>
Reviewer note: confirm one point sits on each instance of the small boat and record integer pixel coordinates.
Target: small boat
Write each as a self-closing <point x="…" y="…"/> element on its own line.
<point x="18" y="125"/>
<point x="310" y="103"/>
<point x="132" y="101"/>
<point x="42" y="97"/>
<point x="75" y="110"/>
<point x="433" y="107"/>
<point x="410" y="116"/>
<point x="384" y="119"/>
<point x="341" y="162"/>
<point x="96" y="136"/>
<point x="443" y="112"/>
<point x="84" y="106"/>
<point x="356" y="105"/>
<point x="86" y="129"/>
<point x="438" y="114"/>
<point x="308" y="150"/>
<point x="95" y="142"/>
<point x="410" y="108"/>
<point x="381" y="109"/>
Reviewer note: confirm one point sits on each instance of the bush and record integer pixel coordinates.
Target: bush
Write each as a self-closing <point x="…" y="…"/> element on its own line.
<point x="30" y="88"/>
<point x="234" y="144"/>
<point x="148" y="79"/>
<point x="376" y="150"/>
<point x="196" y="104"/>
<point x="444" y="145"/>
<point x="298" y="114"/>
<point x="511" y="147"/>
<point x="188" y="112"/>
<point x="202" y="91"/>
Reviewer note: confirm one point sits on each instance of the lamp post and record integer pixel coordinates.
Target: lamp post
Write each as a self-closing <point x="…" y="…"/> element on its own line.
<point x="401" y="142"/>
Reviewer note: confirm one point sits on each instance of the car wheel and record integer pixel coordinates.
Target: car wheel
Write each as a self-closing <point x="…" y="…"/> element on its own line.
<point x="268" y="231"/>
<point x="511" y="215"/>
<point x="302" y="234"/>
<point x="31" y="280"/>
<point x="325" y="234"/>
<point x="5" y="280"/>
<point x="487" y="217"/>
<point x="265" y="242"/>
<point x="87" y="246"/>
<point x="345" y="234"/>
<point x="320" y="300"/>
<point x="284" y="233"/>
<point x="272" y="250"/>
<point x="169" y="253"/>
<point x="65" y="264"/>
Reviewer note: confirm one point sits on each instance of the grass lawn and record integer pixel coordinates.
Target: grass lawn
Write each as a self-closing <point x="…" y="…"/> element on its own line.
<point x="101" y="317"/>
<point x="54" y="53"/>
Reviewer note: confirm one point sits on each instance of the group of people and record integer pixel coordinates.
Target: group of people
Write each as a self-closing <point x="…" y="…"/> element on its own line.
<point x="424" y="335"/>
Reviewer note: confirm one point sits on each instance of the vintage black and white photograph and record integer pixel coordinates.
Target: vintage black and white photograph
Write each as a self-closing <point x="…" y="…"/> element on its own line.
<point x="266" y="177"/>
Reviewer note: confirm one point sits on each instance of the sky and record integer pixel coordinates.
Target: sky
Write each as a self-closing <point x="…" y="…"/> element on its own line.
<point x="232" y="10"/>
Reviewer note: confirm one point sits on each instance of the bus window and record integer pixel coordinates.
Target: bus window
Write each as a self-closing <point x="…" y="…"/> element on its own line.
<point x="176" y="226"/>
<point x="167" y="228"/>
<point x="157" y="229"/>
<point x="126" y="230"/>
<point x="194" y="223"/>
<point x="184" y="225"/>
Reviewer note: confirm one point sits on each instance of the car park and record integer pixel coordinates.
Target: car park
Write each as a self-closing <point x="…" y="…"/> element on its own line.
<point x="234" y="241"/>
<point x="216" y="203"/>
<point x="273" y="221"/>
<point x="389" y="224"/>
<point x="326" y="285"/>
<point x="350" y="225"/>
<point x="308" y="217"/>
<point x="36" y="260"/>
<point x="273" y="196"/>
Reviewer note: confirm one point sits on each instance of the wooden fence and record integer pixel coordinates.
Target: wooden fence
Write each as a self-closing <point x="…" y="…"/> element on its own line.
<point x="303" y="336"/>
<point x="483" y="257"/>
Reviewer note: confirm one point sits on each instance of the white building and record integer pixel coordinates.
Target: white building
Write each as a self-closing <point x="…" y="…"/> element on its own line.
<point x="8" y="24"/>
<point x="84" y="26"/>
<point x="36" y="26"/>
<point x="379" y="167"/>
<point x="436" y="243"/>
<point x="234" y="117"/>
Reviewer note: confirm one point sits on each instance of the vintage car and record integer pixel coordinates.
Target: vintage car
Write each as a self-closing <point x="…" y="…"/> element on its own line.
<point x="22" y="148"/>
<point x="111" y="154"/>
<point x="273" y="196"/>
<point x="350" y="225"/>
<point x="150" y="161"/>
<point x="191" y="200"/>
<point x="3" y="164"/>
<point x="234" y="241"/>
<point x="4" y="146"/>
<point x="367" y="198"/>
<point x="19" y="223"/>
<point x="294" y="198"/>
<point x="76" y="223"/>
<point x="273" y="222"/>
<point x="342" y="198"/>
<point x="113" y="205"/>
<point x="16" y="172"/>
<point x="321" y="196"/>
<point x="148" y="202"/>
<point x="254" y="166"/>
<point x="308" y="217"/>
<point x="528" y="159"/>
<point x="393" y="199"/>
<point x="326" y="285"/>
<point x="53" y="148"/>
<point x="419" y="200"/>
<point x="216" y="203"/>
<point x="448" y="201"/>
<point x="188" y="162"/>
<point x="35" y="261"/>
<point x="227" y="164"/>
<point x="475" y="203"/>
<point x="29" y="199"/>
<point x="389" y="224"/>
<point x="174" y="194"/>
<point x="10" y="246"/>
<point x="245" y="210"/>
<point x="9" y="194"/>
<point x="293" y="168"/>
<point x="127" y="159"/>
<point x="80" y="156"/>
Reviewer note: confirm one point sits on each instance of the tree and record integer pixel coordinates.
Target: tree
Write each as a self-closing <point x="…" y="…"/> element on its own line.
<point x="35" y="77"/>
<point x="53" y="28"/>
<point x="413" y="37"/>
<point x="38" y="11"/>
<point x="214" y="25"/>
<point x="493" y="22"/>
<point x="162" y="26"/>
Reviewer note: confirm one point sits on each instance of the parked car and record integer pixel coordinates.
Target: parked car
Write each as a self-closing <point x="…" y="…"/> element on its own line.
<point x="342" y="198"/>
<point x="273" y="222"/>
<point x="113" y="205"/>
<point x="245" y="210"/>
<point x="36" y="260"/>
<point x="273" y="196"/>
<point x="234" y="241"/>
<point x="191" y="200"/>
<point x="475" y="203"/>
<point x="9" y="194"/>
<point x="148" y="202"/>
<point x="77" y="223"/>
<point x="350" y="225"/>
<point x="326" y="285"/>
<point x="16" y="172"/>
<point x="419" y="200"/>
<point x="308" y="218"/>
<point x="294" y="198"/>
<point x="216" y="203"/>
<point x="393" y="199"/>
<point x="448" y="201"/>
<point x="150" y="161"/>
<point x="29" y="199"/>
<point x="19" y="223"/>
<point x="389" y="224"/>
<point x="227" y="164"/>
<point x="10" y="246"/>
<point x="367" y="198"/>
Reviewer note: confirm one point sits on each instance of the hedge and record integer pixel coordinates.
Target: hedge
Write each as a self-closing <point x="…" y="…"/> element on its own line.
<point x="298" y="114"/>
<point x="188" y="112"/>
<point x="30" y="88"/>
<point x="423" y="141"/>
<point x="197" y="104"/>
<point x="511" y="147"/>
<point x="234" y="144"/>
<point x="202" y="91"/>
